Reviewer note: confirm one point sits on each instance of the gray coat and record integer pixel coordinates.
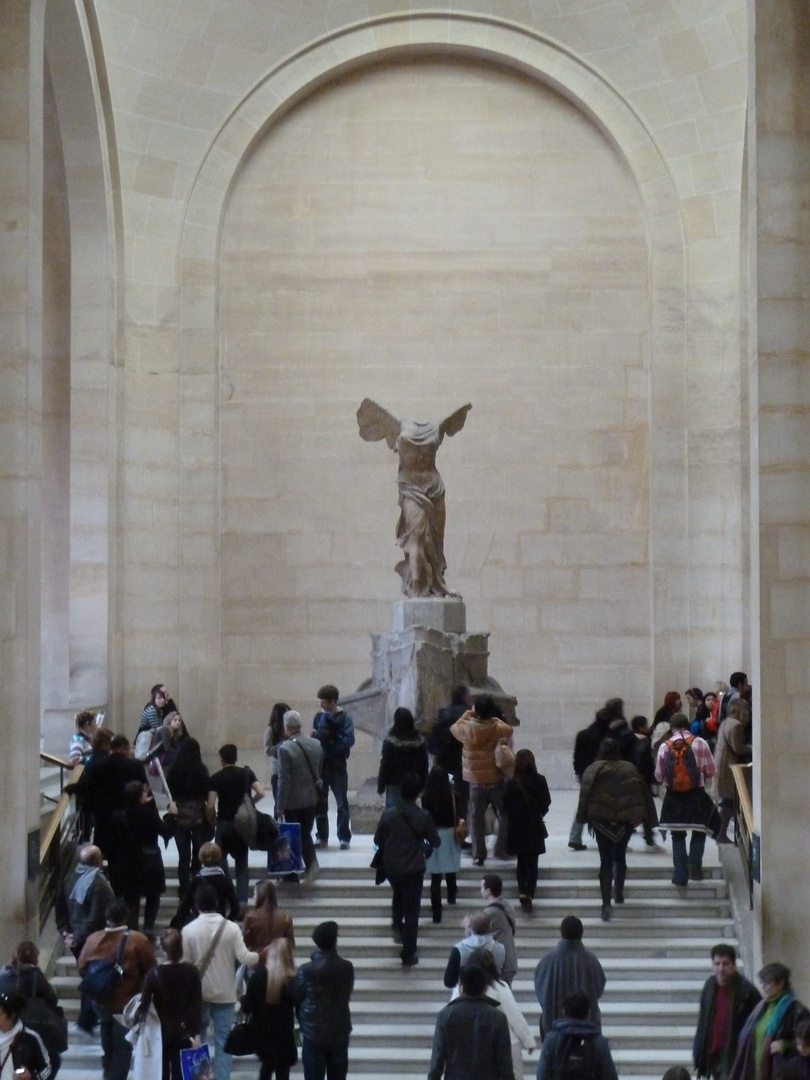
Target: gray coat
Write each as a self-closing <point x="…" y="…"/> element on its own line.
<point x="296" y="789"/>
<point x="502" y="921"/>
<point x="566" y="969"/>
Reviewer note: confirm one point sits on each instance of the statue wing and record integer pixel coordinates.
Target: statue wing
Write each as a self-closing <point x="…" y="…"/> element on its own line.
<point x="455" y="422"/>
<point x="377" y="423"/>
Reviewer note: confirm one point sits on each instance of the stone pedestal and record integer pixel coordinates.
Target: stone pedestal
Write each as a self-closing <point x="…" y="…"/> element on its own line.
<point x="427" y="652"/>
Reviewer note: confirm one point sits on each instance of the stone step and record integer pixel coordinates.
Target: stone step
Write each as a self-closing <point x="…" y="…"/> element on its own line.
<point x="406" y="1062"/>
<point x="655" y="952"/>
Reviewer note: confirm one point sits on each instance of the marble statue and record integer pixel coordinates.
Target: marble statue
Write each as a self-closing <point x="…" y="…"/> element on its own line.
<point x="420" y="529"/>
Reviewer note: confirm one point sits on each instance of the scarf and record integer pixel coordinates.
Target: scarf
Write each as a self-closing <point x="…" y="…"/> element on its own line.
<point x="86" y="875"/>
<point x="778" y="1014"/>
<point x="6" y="1040"/>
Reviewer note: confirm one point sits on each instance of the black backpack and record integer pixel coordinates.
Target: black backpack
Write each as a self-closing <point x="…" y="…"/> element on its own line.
<point x="575" y="1059"/>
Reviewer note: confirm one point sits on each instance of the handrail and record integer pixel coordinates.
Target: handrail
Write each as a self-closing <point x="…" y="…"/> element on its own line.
<point x="744" y="823"/>
<point x="744" y="796"/>
<point x="55" y="822"/>
<point x="53" y="759"/>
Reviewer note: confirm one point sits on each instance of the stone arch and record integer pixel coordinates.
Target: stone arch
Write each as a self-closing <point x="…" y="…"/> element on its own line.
<point x="78" y="600"/>
<point x="541" y="58"/>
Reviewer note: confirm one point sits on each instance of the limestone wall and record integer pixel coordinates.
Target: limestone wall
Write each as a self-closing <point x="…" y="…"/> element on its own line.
<point x="535" y="211"/>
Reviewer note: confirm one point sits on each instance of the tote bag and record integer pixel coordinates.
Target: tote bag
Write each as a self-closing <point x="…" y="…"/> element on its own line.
<point x="284" y="857"/>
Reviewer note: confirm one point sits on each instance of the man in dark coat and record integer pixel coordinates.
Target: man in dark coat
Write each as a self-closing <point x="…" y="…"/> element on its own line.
<point x="567" y="969"/>
<point x="103" y="785"/>
<point x="322" y="991"/>
<point x="586" y="749"/>
<point x="400" y="836"/>
<point x="471" y="1041"/>
<point x="725" y="1004"/>
<point x="81" y="909"/>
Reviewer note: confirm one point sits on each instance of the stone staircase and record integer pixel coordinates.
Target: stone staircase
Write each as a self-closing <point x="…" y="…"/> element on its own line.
<point x="655" y="952"/>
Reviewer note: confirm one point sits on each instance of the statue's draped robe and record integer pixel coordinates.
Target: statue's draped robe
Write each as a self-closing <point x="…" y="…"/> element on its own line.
<point x="420" y="529"/>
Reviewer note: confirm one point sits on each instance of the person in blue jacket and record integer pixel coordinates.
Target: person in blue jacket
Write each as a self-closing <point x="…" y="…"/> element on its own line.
<point x="334" y="730"/>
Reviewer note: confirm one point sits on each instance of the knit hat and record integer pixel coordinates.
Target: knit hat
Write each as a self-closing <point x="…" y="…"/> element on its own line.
<point x="325" y="935"/>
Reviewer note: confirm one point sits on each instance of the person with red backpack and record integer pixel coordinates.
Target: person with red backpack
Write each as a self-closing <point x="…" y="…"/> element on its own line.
<point x="683" y="764"/>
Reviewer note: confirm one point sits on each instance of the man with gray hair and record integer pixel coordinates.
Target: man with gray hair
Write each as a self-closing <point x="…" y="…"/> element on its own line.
<point x="81" y="910"/>
<point x="299" y="784"/>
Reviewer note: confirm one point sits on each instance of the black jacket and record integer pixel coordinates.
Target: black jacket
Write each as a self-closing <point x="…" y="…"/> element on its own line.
<point x="587" y="743"/>
<point x="321" y="992"/>
<point x="744" y="998"/>
<point x="399" y="834"/>
<point x="401" y="756"/>
<point x="471" y="1042"/>
<point x="445" y="748"/>
<point x="526" y="805"/>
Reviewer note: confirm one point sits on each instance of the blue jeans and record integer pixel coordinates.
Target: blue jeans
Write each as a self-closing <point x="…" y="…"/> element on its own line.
<point x="405" y="907"/>
<point x="116" y="1052"/>
<point x="232" y="844"/>
<point x="324" y="1060"/>
<point x="681" y="861"/>
<point x="335" y="776"/>
<point x="222" y="1018"/>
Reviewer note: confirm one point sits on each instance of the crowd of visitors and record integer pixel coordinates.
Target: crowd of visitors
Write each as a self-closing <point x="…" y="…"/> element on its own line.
<point x="438" y="789"/>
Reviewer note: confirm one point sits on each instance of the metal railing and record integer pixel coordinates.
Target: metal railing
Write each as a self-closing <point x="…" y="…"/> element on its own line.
<point x="58" y="838"/>
<point x="744" y="821"/>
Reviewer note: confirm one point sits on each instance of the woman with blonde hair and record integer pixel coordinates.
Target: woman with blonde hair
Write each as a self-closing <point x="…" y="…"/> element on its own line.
<point x="268" y="1002"/>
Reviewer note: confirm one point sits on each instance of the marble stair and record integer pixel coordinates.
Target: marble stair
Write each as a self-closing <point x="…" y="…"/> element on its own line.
<point x="655" y="952"/>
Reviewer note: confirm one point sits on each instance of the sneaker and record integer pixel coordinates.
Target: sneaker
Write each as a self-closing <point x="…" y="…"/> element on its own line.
<point x="322" y="844"/>
<point x="478" y="862"/>
<point x="526" y="905"/>
<point x="344" y="845"/>
<point x="78" y="1031"/>
<point x="311" y="876"/>
<point x="605" y="916"/>
<point x="578" y="847"/>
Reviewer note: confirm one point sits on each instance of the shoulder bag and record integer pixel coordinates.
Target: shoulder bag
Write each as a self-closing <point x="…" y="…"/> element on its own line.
<point x="103" y="977"/>
<point x="505" y="758"/>
<point x="459" y="824"/>
<point x="48" y="1021"/>
<point x="321" y="794"/>
<point x="244" y="820"/>
<point x="241" y="1040"/>
<point x="202" y="967"/>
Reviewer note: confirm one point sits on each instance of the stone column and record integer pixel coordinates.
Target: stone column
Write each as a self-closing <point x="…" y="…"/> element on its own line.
<point x="780" y="409"/>
<point x="20" y="412"/>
